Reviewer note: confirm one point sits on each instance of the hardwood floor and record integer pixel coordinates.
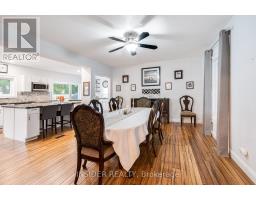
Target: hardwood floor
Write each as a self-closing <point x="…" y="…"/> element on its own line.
<point x="186" y="157"/>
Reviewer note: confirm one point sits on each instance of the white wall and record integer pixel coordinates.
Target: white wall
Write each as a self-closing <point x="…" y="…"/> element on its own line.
<point x="243" y="92"/>
<point x="25" y="75"/>
<point x="91" y="67"/>
<point x="192" y="71"/>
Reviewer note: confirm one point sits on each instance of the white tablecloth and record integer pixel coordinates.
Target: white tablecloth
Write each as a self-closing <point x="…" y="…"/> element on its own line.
<point x="127" y="132"/>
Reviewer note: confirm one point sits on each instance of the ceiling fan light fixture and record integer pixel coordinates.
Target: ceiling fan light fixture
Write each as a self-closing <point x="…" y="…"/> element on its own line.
<point x="131" y="47"/>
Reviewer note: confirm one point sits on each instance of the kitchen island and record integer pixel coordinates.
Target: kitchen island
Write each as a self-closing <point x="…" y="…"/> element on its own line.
<point x="22" y="121"/>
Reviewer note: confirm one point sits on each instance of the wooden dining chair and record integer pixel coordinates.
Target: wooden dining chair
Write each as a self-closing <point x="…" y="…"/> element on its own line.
<point x="157" y="123"/>
<point x="150" y="140"/>
<point x="89" y="128"/>
<point x="120" y="101"/>
<point x="144" y="102"/>
<point x="113" y="104"/>
<point x="159" y="107"/>
<point x="96" y="105"/>
<point x="186" y="104"/>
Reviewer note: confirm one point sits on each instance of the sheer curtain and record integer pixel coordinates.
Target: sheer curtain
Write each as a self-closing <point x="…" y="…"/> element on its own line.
<point x="207" y="112"/>
<point x="223" y="114"/>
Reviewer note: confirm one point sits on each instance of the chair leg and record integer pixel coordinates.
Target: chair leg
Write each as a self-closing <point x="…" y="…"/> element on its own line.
<point x="84" y="165"/>
<point x="78" y="168"/>
<point x="195" y="121"/>
<point x="148" y="149"/>
<point x="101" y="169"/>
<point x="43" y="129"/>
<point x="160" y="137"/>
<point x="55" y="125"/>
<point x="61" y="121"/>
<point x="181" y="120"/>
<point x="46" y="127"/>
<point x="70" y="121"/>
<point x="161" y="132"/>
<point x="52" y="125"/>
<point x="153" y="146"/>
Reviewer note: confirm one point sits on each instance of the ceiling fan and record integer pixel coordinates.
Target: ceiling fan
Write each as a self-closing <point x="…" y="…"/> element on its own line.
<point x="131" y="42"/>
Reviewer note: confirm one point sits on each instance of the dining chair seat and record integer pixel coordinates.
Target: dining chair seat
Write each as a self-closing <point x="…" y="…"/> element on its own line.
<point x="187" y="113"/>
<point x="108" y="150"/>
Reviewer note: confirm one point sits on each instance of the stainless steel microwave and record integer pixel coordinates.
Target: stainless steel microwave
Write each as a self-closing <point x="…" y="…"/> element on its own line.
<point x="39" y="86"/>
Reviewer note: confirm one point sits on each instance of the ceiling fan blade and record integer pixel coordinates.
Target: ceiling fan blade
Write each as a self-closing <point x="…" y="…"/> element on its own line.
<point x="133" y="53"/>
<point x="116" y="49"/>
<point x="143" y="35"/>
<point x="148" y="46"/>
<point x="116" y="39"/>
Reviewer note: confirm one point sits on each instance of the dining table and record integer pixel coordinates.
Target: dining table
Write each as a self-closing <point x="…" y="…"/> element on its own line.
<point x="126" y="130"/>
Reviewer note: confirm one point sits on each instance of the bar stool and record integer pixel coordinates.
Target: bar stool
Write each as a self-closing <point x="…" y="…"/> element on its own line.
<point x="65" y="110"/>
<point x="46" y="113"/>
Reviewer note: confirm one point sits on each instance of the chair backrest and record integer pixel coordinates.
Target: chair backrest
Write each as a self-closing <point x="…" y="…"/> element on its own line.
<point x="49" y="112"/>
<point x="89" y="127"/>
<point x="96" y="105"/>
<point x="151" y="121"/>
<point x="144" y="102"/>
<point x="113" y="105"/>
<point x="186" y="103"/>
<point x="65" y="109"/>
<point x="120" y="101"/>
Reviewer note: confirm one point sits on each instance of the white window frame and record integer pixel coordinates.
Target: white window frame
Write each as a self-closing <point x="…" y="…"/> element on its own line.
<point x="13" y="87"/>
<point x="68" y="96"/>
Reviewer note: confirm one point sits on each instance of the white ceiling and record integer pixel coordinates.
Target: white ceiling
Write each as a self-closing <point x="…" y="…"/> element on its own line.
<point x="175" y="36"/>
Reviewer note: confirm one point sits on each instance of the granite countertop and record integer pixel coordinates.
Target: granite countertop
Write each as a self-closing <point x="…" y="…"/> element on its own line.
<point x="38" y="104"/>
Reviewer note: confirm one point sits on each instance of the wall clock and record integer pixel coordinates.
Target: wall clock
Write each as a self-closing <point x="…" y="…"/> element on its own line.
<point x="105" y="84"/>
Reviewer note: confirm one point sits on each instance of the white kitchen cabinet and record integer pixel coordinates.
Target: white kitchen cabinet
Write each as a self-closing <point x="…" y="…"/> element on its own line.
<point x="8" y="124"/>
<point x="21" y="124"/>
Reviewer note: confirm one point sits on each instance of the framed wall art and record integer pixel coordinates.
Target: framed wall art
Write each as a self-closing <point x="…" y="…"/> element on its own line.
<point x="178" y="74"/>
<point x="86" y="88"/>
<point x="150" y="76"/>
<point x="118" y="88"/>
<point x="133" y="87"/>
<point x="190" y="85"/>
<point x="125" y="78"/>
<point x="168" y="85"/>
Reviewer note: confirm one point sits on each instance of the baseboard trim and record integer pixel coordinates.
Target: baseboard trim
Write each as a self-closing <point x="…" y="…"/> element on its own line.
<point x="243" y="165"/>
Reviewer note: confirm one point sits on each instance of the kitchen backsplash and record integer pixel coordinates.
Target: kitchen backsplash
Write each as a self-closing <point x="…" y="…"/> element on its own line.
<point x="41" y="96"/>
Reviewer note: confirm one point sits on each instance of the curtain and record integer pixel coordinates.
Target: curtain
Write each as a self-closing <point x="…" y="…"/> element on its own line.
<point x="207" y="109"/>
<point x="223" y="114"/>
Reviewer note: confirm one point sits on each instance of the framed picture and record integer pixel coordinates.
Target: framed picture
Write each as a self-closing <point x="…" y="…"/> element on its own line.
<point x="190" y="85"/>
<point x="3" y="68"/>
<point x="178" y="74"/>
<point x="125" y="78"/>
<point x="150" y="76"/>
<point x="168" y="85"/>
<point x="133" y="87"/>
<point x="86" y="88"/>
<point x="118" y="88"/>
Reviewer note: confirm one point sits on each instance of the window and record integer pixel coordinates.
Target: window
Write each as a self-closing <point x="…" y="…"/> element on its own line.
<point x="7" y="87"/>
<point x="74" y="92"/>
<point x="70" y="91"/>
<point x="60" y="89"/>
